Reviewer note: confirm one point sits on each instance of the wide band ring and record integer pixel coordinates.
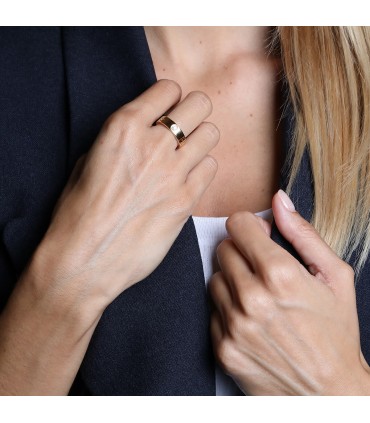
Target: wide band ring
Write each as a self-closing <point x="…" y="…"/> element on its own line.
<point x="174" y="128"/>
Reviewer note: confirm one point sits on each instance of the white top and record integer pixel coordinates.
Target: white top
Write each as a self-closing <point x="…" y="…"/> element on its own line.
<point x="210" y="232"/>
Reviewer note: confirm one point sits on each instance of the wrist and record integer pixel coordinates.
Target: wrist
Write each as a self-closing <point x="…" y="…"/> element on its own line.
<point x="61" y="293"/>
<point x="43" y="340"/>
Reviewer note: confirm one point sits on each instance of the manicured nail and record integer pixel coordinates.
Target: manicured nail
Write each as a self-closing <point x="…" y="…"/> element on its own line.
<point x="288" y="204"/>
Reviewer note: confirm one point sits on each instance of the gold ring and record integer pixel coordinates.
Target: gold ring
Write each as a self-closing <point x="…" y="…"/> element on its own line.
<point x="174" y="128"/>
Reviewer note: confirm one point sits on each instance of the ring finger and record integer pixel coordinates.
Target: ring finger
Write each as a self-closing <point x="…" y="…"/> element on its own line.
<point x="188" y="114"/>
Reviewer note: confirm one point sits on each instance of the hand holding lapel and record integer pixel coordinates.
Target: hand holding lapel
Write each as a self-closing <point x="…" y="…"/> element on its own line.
<point x="279" y="328"/>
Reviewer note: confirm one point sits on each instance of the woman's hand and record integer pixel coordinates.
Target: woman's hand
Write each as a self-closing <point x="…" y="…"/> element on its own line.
<point x="277" y="328"/>
<point x="122" y="209"/>
<point x="129" y="198"/>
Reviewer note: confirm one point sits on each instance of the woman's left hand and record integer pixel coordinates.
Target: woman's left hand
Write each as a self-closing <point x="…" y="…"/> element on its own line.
<point x="277" y="328"/>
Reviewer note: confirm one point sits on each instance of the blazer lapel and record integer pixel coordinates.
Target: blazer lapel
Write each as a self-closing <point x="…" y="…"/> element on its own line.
<point x="302" y="189"/>
<point x="154" y="338"/>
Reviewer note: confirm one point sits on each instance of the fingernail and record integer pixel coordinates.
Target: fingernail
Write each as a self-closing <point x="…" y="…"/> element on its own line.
<point x="287" y="202"/>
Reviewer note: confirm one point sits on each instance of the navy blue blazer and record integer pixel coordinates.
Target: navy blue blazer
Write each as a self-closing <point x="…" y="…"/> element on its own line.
<point x="57" y="87"/>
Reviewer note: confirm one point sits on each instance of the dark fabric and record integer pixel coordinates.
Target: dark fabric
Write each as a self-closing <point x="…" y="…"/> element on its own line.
<point x="154" y="338"/>
<point x="302" y="190"/>
<point x="33" y="142"/>
<point x="57" y="87"/>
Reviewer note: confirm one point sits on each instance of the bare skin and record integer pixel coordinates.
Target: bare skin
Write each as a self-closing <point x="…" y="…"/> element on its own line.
<point x="122" y="197"/>
<point x="231" y="65"/>
<point x="278" y="328"/>
<point x="134" y="188"/>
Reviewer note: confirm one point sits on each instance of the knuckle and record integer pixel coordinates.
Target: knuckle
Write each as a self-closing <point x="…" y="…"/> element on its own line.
<point x="225" y="354"/>
<point x="347" y="270"/>
<point x="202" y="100"/>
<point x="306" y="231"/>
<point x="251" y="330"/>
<point x="130" y="114"/>
<point x="171" y="87"/>
<point x="260" y="306"/>
<point x="224" y="246"/>
<point x="211" y="130"/>
<point x="112" y="123"/>
<point x="278" y="272"/>
<point x="122" y="121"/>
<point x="211" y="163"/>
<point x="236" y="220"/>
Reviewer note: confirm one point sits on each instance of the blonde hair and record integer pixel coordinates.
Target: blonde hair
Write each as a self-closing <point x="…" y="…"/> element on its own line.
<point x="328" y="72"/>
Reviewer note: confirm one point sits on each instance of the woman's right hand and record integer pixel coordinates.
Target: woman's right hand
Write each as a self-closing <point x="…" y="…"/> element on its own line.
<point x="128" y="198"/>
<point x="125" y="203"/>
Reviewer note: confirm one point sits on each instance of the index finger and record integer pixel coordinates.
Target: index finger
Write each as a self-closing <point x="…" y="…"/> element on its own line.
<point x="252" y="240"/>
<point x="155" y="101"/>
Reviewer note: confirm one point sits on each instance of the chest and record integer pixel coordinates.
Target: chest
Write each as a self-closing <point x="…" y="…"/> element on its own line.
<point x="245" y="98"/>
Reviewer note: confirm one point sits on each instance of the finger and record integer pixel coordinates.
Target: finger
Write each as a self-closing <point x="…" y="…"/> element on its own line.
<point x="191" y="111"/>
<point x="234" y="266"/>
<point x="188" y="114"/>
<point x="250" y="237"/>
<point x="199" y="179"/>
<point x="155" y="101"/>
<point x="220" y="294"/>
<point x="315" y="253"/>
<point x="200" y="142"/>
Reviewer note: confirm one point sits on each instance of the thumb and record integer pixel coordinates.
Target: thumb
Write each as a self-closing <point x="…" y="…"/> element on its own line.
<point x="319" y="258"/>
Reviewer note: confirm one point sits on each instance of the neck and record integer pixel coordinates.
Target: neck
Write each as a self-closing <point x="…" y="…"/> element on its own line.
<point x="206" y="46"/>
